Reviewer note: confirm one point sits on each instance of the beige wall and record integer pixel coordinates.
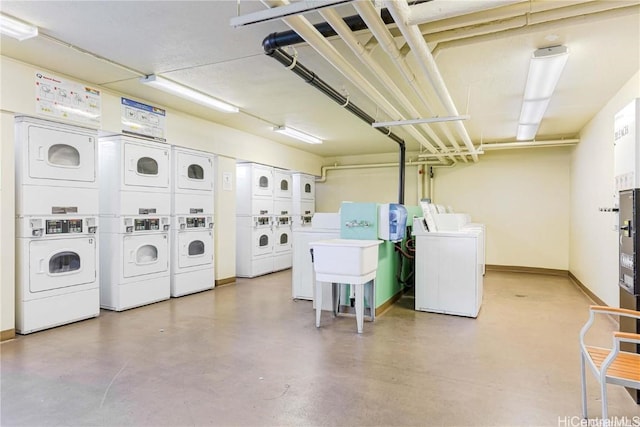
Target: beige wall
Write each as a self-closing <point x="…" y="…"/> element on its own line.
<point x="594" y="243"/>
<point x="17" y="97"/>
<point x="522" y="196"/>
<point x="7" y="215"/>
<point x="367" y="181"/>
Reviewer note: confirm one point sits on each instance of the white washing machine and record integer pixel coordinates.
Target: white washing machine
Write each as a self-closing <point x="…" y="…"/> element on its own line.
<point x="56" y="168"/>
<point x="134" y="267"/>
<point x="56" y="271"/>
<point x="254" y="248"/>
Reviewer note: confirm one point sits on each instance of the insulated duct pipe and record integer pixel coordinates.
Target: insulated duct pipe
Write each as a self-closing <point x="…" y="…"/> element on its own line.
<point x="311" y="78"/>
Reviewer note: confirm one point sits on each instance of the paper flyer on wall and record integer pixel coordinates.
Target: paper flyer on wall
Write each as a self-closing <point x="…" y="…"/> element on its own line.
<point x="67" y="100"/>
<point x="143" y="120"/>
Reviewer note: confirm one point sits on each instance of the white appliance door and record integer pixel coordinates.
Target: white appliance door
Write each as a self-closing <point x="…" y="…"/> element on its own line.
<point x="60" y="263"/>
<point x="145" y="254"/>
<point x="262" y="241"/>
<point x="282" y="184"/>
<point x="146" y="166"/>
<point x="194" y="172"/>
<point x="195" y="248"/>
<point x="58" y="155"/>
<point x="262" y="181"/>
<point x="307" y="187"/>
<point x="282" y="239"/>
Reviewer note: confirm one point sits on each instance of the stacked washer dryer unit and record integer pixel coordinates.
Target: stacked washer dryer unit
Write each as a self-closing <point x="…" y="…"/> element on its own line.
<point x="135" y="208"/>
<point x="56" y="223"/>
<point x="192" y="200"/>
<point x="304" y="199"/>
<point x="254" y="219"/>
<point x="282" y="219"/>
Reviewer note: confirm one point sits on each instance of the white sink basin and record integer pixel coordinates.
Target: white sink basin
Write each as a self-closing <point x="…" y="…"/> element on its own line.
<point x="345" y="257"/>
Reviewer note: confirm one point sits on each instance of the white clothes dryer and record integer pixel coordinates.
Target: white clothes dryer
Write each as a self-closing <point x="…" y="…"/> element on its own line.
<point x="56" y="271"/>
<point x="283" y="184"/>
<point x="134" y="175"/>
<point x="134" y="268"/>
<point x="192" y="254"/>
<point x="56" y="168"/>
<point x="193" y="171"/>
<point x="254" y="189"/>
<point x="282" y="240"/>
<point x="254" y="248"/>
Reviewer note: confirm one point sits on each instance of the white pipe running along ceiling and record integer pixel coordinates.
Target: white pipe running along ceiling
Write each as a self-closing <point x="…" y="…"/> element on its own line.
<point x="400" y="12"/>
<point x="308" y="32"/>
<point x="385" y="40"/>
<point x="343" y="30"/>
<point x="436" y="10"/>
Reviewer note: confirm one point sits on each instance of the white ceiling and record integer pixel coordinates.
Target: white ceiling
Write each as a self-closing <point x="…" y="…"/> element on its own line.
<point x="193" y="43"/>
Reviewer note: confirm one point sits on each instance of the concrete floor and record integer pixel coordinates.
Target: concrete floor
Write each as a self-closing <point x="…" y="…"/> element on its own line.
<point x="246" y="354"/>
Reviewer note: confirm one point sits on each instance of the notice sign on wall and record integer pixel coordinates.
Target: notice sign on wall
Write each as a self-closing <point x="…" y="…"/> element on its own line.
<point x="143" y="120"/>
<point x="67" y="100"/>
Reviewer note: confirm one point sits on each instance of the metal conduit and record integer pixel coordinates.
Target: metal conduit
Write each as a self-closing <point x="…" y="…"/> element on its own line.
<point x="271" y="49"/>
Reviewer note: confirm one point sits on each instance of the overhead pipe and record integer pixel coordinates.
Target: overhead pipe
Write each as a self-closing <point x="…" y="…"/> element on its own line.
<point x="400" y="11"/>
<point x="332" y="17"/>
<point x="310" y="77"/>
<point x="303" y="27"/>
<point x="388" y="44"/>
<point x="325" y="169"/>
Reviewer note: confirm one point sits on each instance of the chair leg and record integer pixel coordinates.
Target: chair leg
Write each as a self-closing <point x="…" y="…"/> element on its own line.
<point x="603" y="388"/>
<point x="584" y="386"/>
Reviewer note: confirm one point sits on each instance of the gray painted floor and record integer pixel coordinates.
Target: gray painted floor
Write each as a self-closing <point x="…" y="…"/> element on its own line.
<point x="246" y="354"/>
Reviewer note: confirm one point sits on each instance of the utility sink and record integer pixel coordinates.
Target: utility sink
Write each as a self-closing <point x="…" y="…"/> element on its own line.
<point x="345" y="260"/>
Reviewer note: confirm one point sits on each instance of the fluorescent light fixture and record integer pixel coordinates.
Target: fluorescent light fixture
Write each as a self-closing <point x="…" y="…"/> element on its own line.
<point x="297" y="8"/>
<point x="187" y="93"/>
<point x="419" y="121"/>
<point x="544" y="72"/>
<point x="293" y="133"/>
<point x="16" y="28"/>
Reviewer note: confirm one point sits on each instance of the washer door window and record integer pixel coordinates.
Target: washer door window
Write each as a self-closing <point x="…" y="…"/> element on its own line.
<point x="145" y="254"/>
<point x="262" y="242"/>
<point x="195" y="248"/>
<point x="194" y="172"/>
<point x="61" y="263"/>
<point x="61" y="155"/>
<point x="146" y="166"/>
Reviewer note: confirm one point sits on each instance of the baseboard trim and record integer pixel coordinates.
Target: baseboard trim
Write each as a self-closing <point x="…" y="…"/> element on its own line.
<point x="388" y="303"/>
<point x="9" y="334"/>
<point x="226" y="281"/>
<point x="520" y="269"/>
<point x="593" y="297"/>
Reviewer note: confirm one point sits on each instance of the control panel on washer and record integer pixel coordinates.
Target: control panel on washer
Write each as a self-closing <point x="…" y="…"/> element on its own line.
<point x="132" y="225"/>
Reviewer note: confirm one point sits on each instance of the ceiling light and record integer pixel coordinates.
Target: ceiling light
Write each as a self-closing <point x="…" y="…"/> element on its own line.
<point x="279" y="12"/>
<point x="17" y="29"/>
<point x="293" y="133"/>
<point x="187" y="93"/>
<point x="544" y="72"/>
<point x="419" y="121"/>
